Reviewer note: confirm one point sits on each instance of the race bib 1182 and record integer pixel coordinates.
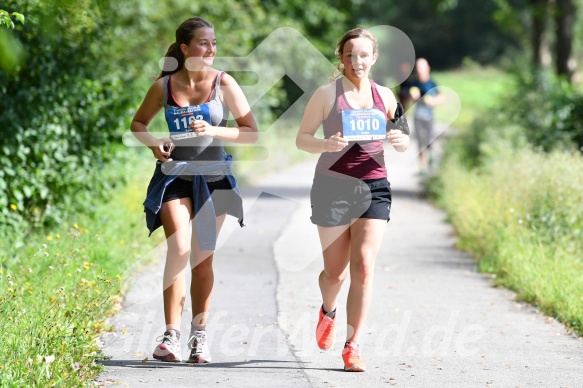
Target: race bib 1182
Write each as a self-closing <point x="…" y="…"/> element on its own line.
<point x="179" y="120"/>
<point x="363" y="124"/>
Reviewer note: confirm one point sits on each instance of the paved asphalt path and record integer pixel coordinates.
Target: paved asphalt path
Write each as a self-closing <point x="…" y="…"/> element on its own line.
<point x="434" y="321"/>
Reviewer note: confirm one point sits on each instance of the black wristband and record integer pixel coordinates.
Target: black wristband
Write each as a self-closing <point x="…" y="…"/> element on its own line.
<point x="400" y="121"/>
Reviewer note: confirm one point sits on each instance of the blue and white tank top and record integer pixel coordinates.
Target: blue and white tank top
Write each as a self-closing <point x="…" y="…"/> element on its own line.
<point x="214" y="111"/>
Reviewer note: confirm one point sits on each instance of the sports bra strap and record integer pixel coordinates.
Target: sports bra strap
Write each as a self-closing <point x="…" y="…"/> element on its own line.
<point x="165" y="82"/>
<point x="217" y="87"/>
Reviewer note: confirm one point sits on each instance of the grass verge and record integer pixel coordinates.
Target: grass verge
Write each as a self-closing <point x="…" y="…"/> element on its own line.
<point x="521" y="215"/>
<point x="520" y="212"/>
<point x="58" y="287"/>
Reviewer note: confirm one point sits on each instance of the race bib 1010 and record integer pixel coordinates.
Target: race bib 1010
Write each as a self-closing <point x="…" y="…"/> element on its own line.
<point x="364" y="124"/>
<point x="179" y="120"/>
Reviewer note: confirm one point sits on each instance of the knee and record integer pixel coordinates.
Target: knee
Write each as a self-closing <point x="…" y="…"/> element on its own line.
<point x="333" y="278"/>
<point x="179" y="250"/>
<point x="362" y="273"/>
<point x="203" y="268"/>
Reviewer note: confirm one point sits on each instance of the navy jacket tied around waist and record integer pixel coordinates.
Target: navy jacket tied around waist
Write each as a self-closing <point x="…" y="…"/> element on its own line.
<point x="205" y="217"/>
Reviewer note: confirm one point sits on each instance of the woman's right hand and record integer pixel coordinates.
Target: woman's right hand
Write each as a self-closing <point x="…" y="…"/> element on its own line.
<point x="335" y="143"/>
<point x="161" y="150"/>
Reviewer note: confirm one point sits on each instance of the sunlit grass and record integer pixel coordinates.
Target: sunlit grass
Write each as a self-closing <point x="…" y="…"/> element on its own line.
<point x="522" y="217"/>
<point x="478" y="88"/>
<point x="58" y="286"/>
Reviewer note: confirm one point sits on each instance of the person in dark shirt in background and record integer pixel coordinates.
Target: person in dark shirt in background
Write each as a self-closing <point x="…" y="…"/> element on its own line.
<point x="425" y="92"/>
<point x="403" y="93"/>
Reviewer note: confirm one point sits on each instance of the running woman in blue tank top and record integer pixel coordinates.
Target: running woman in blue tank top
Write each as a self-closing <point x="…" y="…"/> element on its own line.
<point x="193" y="178"/>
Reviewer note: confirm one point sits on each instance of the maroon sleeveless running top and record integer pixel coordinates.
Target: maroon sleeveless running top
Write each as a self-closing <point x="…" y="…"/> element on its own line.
<point x="359" y="159"/>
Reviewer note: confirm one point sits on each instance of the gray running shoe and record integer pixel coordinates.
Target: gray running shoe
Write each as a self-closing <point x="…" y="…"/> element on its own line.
<point x="199" y="353"/>
<point x="169" y="348"/>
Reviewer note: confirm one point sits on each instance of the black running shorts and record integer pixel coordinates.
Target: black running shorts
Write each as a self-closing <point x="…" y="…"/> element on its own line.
<point x="337" y="201"/>
<point x="221" y="192"/>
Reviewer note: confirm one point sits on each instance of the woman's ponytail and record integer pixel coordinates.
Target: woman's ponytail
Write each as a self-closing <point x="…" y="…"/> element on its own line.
<point x="173" y="61"/>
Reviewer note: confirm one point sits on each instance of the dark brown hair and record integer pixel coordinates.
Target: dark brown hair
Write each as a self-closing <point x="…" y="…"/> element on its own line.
<point x="174" y="59"/>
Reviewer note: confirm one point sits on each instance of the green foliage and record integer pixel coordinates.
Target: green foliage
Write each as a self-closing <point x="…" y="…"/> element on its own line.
<point x="488" y="136"/>
<point x="67" y="103"/>
<point x="11" y="52"/>
<point x="323" y="24"/>
<point x="521" y="215"/>
<point x="61" y="118"/>
<point x="541" y="110"/>
<point x="446" y="32"/>
<point x="512" y="16"/>
<point x="57" y="288"/>
<point x="548" y="108"/>
<point x="6" y="20"/>
<point x="517" y="210"/>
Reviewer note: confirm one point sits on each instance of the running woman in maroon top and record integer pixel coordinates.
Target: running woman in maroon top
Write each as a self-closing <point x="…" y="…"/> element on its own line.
<point x="351" y="197"/>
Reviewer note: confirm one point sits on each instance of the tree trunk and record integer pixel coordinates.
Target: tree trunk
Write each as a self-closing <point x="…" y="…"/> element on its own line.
<point x="565" y="14"/>
<point x="538" y="10"/>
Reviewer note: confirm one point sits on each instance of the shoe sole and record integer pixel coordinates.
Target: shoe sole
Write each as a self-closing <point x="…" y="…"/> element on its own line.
<point x="167" y="358"/>
<point x="199" y="361"/>
<point x="354" y="368"/>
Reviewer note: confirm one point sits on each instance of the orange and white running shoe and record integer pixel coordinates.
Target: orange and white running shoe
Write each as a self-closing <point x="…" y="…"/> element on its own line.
<point x="325" y="331"/>
<point x="351" y="357"/>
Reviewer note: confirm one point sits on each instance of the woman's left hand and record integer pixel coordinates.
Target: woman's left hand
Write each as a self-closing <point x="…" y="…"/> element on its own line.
<point x="202" y="128"/>
<point x="398" y="139"/>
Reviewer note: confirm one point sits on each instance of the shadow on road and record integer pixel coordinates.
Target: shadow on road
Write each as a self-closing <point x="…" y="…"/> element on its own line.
<point x="151" y="364"/>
